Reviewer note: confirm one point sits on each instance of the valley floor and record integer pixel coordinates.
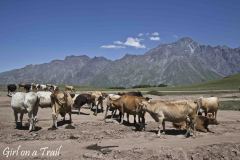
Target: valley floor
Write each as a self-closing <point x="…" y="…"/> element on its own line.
<point x="93" y="138"/>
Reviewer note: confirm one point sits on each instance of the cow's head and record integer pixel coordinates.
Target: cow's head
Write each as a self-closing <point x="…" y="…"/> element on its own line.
<point x="143" y="104"/>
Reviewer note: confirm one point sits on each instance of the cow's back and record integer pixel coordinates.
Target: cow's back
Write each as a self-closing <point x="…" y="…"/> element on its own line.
<point x="44" y="98"/>
<point x="211" y="101"/>
<point x="17" y="101"/>
<point x="131" y="104"/>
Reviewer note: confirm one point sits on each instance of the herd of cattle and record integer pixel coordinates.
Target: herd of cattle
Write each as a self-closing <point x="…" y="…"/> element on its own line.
<point x="184" y="114"/>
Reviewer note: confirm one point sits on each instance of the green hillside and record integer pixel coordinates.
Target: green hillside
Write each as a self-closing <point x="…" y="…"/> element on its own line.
<point x="230" y="82"/>
<point x="226" y="83"/>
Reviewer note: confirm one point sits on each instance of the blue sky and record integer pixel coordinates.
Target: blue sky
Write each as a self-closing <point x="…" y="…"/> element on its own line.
<point x="33" y="32"/>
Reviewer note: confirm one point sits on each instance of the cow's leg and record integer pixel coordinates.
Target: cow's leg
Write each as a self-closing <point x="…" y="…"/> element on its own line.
<point x="96" y="110"/>
<point x="143" y="120"/>
<point x="55" y="112"/>
<point x="139" y="118"/>
<point x="114" y="112"/>
<point x="215" y="115"/>
<point x="122" y="115"/>
<point x="101" y="104"/>
<point x="31" y="123"/>
<point x="16" y="118"/>
<point x="90" y="106"/>
<point x="163" y="125"/>
<point x="190" y="124"/>
<point x="194" y="127"/>
<point x="160" y="118"/>
<point x="134" y="119"/>
<point x="105" y="116"/>
<point x="206" y="112"/>
<point x="21" y="119"/>
<point x="128" y="118"/>
<point x="159" y="127"/>
<point x="79" y="110"/>
<point x="70" y="116"/>
<point x="54" y="117"/>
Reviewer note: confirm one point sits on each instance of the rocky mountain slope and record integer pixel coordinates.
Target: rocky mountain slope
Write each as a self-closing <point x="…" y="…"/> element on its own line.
<point x="182" y="62"/>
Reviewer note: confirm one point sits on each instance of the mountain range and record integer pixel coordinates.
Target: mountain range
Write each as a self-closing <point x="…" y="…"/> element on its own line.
<point x="179" y="63"/>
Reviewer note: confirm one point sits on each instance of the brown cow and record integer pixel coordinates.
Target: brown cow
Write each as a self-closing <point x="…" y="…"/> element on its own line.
<point x="61" y="104"/>
<point x="202" y="123"/>
<point x="128" y="104"/>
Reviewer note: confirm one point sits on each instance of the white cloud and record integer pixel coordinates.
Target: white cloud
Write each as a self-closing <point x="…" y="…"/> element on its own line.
<point x="129" y="42"/>
<point x="154" y="38"/>
<point x="118" y="42"/>
<point x="134" y="42"/>
<point x="112" y="46"/>
<point x="140" y="34"/>
<point x="155" y="34"/>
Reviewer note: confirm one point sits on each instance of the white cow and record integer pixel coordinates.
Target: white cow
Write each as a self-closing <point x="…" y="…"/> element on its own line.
<point x="25" y="103"/>
<point x="44" y="99"/>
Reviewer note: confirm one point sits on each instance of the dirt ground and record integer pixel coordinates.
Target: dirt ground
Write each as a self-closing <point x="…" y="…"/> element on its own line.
<point x="92" y="138"/>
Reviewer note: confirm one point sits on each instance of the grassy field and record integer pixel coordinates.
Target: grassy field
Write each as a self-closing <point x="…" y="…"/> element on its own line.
<point x="230" y="105"/>
<point x="227" y="84"/>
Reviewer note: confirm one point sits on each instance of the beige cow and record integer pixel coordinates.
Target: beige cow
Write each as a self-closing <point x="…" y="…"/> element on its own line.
<point x="98" y="100"/>
<point x="209" y="105"/>
<point x="61" y="104"/>
<point x="179" y="111"/>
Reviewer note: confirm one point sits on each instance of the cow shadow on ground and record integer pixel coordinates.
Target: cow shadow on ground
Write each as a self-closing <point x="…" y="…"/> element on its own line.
<point x="115" y="117"/>
<point x="126" y="123"/>
<point x="26" y="127"/>
<point x="62" y="122"/>
<point x="81" y="113"/>
<point x="102" y="149"/>
<point x="170" y="132"/>
<point x="98" y="111"/>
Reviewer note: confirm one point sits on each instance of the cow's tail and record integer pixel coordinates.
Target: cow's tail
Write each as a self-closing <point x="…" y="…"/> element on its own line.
<point x="53" y="102"/>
